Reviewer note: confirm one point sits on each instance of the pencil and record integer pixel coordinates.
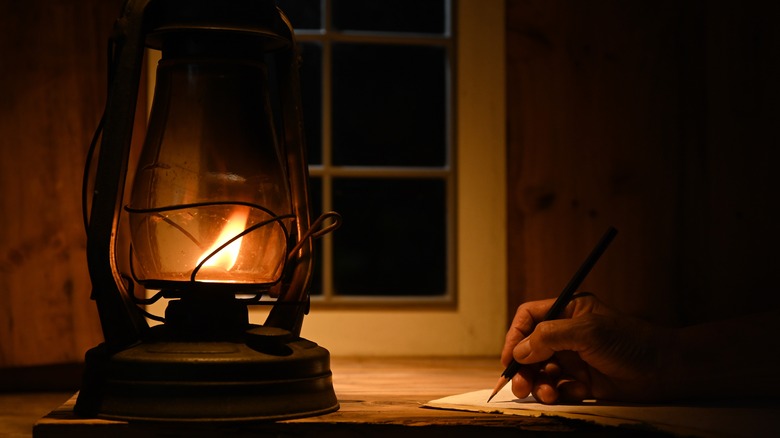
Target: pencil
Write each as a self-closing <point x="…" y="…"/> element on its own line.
<point x="562" y="300"/>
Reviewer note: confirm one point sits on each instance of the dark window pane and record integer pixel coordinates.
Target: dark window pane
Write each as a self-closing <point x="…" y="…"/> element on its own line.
<point x="393" y="240"/>
<point x="418" y="16"/>
<point x="389" y="105"/>
<point x="315" y="203"/>
<point x="311" y="96"/>
<point x="303" y="14"/>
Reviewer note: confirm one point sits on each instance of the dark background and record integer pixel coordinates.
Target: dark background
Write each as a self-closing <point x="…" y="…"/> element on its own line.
<point x="658" y="117"/>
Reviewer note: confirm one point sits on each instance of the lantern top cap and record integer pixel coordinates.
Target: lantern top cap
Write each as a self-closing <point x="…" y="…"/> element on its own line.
<point x="259" y="18"/>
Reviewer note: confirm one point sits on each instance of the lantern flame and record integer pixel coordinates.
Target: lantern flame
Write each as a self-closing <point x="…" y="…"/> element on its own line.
<point x="227" y="256"/>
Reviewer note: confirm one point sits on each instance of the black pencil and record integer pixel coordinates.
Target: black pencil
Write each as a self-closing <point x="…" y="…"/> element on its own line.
<point x="562" y="301"/>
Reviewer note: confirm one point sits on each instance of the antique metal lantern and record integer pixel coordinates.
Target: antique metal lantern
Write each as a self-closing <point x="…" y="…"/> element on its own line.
<point x="213" y="219"/>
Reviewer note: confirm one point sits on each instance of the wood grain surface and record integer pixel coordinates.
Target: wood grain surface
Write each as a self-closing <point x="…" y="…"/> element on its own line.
<point x="379" y="397"/>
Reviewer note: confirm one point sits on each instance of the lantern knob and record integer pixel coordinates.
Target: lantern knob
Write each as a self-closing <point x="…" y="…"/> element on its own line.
<point x="269" y="340"/>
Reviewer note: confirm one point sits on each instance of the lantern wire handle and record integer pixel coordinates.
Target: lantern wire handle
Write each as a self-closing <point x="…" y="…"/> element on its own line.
<point x="158" y="210"/>
<point x="238" y="236"/>
<point x="317" y="230"/>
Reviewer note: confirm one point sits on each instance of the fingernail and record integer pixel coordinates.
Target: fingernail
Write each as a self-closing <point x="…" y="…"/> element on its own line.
<point x="522" y="350"/>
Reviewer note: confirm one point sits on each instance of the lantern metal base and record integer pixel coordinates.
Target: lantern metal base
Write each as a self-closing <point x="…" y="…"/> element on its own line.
<point x="271" y="375"/>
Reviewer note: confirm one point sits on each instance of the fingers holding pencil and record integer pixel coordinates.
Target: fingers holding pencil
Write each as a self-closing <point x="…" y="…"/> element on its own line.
<point x="555" y="310"/>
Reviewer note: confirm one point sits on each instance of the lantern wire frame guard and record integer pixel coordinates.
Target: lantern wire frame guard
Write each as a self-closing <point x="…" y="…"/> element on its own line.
<point x="206" y="362"/>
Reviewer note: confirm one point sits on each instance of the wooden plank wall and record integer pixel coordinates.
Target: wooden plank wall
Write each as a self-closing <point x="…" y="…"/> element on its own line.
<point x="52" y="90"/>
<point x="661" y="118"/>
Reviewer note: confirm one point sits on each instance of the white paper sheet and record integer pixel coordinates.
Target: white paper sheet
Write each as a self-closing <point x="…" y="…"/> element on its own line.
<point x="690" y="420"/>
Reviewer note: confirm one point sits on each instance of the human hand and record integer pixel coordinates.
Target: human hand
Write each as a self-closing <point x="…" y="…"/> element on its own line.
<point x="590" y="352"/>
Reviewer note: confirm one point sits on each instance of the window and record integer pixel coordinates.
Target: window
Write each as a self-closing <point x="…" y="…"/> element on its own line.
<point x="377" y="86"/>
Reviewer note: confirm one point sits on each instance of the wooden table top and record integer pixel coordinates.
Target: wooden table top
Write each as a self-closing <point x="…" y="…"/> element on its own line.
<point x="378" y="397"/>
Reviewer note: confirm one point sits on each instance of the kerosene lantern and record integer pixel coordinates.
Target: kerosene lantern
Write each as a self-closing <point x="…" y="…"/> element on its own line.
<point x="217" y="218"/>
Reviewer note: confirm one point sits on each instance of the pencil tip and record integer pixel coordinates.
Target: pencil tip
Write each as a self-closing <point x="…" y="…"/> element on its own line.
<point x="502" y="381"/>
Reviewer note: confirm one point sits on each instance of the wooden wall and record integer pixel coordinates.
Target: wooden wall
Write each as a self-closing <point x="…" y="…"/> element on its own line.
<point x="52" y="89"/>
<point x="658" y="117"/>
